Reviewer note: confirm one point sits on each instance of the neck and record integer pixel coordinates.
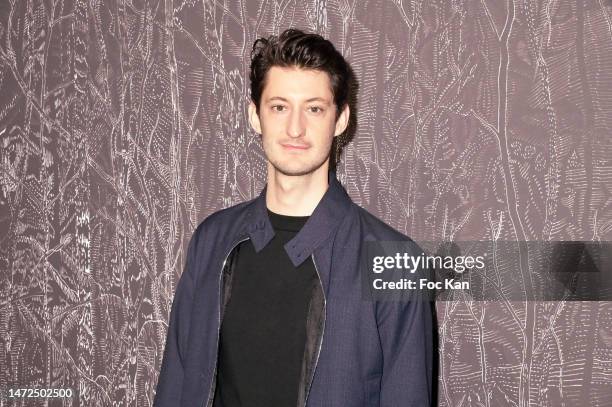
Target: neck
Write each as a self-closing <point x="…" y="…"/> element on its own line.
<point x="295" y="195"/>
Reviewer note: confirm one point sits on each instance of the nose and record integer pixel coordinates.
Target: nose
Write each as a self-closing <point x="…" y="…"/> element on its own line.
<point x="296" y="124"/>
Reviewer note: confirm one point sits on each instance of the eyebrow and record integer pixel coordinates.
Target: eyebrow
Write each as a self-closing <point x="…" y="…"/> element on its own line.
<point x="320" y="99"/>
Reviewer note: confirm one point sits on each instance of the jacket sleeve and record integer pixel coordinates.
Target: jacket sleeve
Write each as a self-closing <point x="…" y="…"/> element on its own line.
<point x="170" y="381"/>
<point x="406" y="336"/>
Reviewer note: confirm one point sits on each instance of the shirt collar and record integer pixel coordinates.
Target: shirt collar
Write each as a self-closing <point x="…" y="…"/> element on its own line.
<point x="324" y="219"/>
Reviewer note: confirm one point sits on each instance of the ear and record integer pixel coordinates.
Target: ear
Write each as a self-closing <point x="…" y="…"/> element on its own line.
<point x="254" y="118"/>
<point x="342" y="121"/>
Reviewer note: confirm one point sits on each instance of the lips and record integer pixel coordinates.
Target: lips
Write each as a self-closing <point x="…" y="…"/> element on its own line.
<point x="295" y="146"/>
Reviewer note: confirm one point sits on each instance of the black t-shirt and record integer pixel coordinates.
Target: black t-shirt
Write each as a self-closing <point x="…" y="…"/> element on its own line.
<point x="263" y="331"/>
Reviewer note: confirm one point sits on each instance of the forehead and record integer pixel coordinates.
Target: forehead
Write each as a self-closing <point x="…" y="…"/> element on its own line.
<point x="293" y="82"/>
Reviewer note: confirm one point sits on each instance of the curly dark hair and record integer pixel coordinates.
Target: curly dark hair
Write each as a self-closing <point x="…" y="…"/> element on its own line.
<point x="295" y="48"/>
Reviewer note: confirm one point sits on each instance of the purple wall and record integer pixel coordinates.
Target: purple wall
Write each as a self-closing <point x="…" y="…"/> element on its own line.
<point x="123" y="124"/>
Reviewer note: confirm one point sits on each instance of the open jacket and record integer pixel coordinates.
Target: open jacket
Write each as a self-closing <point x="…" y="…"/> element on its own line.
<point x="358" y="353"/>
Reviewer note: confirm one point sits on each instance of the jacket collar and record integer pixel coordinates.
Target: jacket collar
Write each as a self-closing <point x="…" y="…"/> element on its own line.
<point x="326" y="217"/>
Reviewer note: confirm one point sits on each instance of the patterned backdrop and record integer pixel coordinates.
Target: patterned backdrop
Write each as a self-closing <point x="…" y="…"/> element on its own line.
<point x="123" y="124"/>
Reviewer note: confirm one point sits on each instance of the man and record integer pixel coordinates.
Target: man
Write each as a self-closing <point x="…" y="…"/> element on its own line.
<point x="269" y="310"/>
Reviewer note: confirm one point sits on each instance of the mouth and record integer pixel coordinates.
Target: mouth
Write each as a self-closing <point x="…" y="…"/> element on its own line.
<point x="298" y="147"/>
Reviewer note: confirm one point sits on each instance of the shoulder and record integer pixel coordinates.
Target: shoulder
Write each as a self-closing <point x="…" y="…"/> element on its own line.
<point x="373" y="228"/>
<point x="224" y="222"/>
<point x="376" y="230"/>
<point x="226" y="216"/>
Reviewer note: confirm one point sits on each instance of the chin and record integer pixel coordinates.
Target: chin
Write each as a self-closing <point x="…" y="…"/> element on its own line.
<point x="296" y="170"/>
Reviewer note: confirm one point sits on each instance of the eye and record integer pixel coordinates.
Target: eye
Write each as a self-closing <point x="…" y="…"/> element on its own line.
<point x="274" y="108"/>
<point x="316" y="109"/>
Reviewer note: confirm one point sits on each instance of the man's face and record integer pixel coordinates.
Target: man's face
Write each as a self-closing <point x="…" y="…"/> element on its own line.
<point x="297" y="120"/>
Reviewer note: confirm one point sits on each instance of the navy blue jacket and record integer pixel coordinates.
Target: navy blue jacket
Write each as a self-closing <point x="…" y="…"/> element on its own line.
<point x="358" y="353"/>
